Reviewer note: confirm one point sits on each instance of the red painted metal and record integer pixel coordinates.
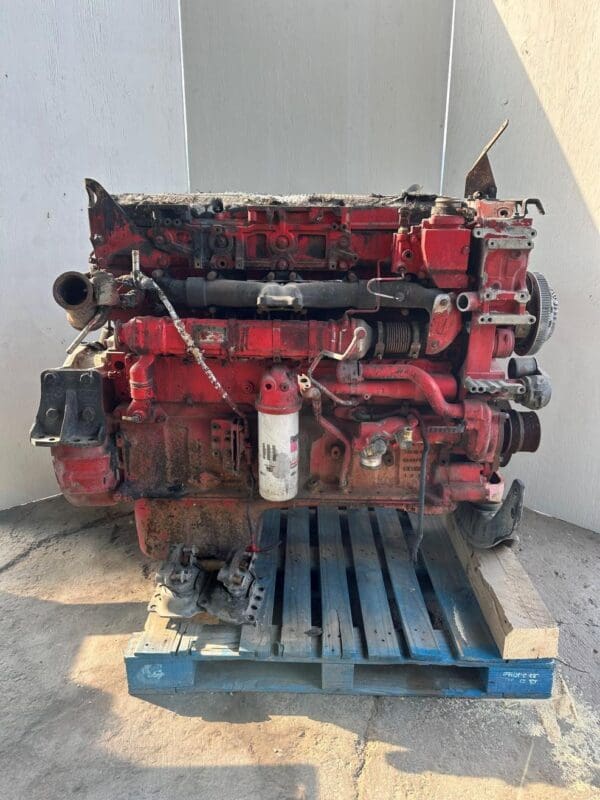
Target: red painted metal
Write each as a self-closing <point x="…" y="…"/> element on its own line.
<point x="86" y="476"/>
<point x="175" y="447"/>
<point x="422" y="379"/>
<point x="235" y="339"/>
<point x="437" y="249"/>
<point x="278" y="392"/>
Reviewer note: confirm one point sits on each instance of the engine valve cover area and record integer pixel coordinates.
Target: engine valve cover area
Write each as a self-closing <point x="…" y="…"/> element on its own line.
<point x="256" y="351"/>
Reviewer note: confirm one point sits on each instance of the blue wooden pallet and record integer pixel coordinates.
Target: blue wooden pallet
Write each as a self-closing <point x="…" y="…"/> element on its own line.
<point x="340" y="607"/>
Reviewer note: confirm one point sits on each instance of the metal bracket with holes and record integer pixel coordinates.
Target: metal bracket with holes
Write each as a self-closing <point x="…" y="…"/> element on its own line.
<point x="71" y="410"/>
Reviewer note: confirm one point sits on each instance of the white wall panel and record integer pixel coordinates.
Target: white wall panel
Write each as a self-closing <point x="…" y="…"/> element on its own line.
<point x="341" y="96"/>
<point x="86" y="89"/>
<point x="538" y="65"/>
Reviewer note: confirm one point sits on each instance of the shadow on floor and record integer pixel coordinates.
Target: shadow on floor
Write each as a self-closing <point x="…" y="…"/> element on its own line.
<point x="69" y="606"/>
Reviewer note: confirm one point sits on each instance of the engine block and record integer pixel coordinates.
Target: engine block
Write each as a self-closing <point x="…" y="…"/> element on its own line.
<point x="298" y="351"/>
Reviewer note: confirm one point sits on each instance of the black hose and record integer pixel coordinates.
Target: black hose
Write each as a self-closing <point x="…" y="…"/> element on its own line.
<point x="201" y="293"/>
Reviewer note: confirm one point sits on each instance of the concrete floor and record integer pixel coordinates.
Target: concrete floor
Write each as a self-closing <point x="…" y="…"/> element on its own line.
<point x="73" y="586"/>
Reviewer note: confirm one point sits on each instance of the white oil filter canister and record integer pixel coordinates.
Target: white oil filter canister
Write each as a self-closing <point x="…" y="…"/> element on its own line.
<point x="278" y="407"/>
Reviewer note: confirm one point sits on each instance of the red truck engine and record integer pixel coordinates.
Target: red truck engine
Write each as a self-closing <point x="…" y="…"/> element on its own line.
<point x="299" y="351"/>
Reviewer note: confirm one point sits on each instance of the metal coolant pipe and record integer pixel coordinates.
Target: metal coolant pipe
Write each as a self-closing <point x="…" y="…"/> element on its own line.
<point x="402" y="382"/>
<point x="393" y="390"/>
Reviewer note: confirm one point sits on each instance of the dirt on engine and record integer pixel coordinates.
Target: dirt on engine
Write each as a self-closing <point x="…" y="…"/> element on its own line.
<point x="283" y="351"/>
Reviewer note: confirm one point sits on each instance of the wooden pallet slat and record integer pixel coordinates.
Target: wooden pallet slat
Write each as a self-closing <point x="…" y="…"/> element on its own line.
<point x="378" y="626"/>
<point x="414" y="617"/>
<point x="338" y="639"/>
<point x="257" y="639"/>
<point x="517" y="616"/>
<point x="160" y="635"/>
<point x="471" y="638"/>
<point x="296" y="616"/>
<point x="220" y="640"/>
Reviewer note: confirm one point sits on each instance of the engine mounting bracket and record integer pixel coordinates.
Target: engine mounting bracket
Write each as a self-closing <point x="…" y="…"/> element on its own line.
<point x="485" y="528"/>
<point x="71" y="409"/>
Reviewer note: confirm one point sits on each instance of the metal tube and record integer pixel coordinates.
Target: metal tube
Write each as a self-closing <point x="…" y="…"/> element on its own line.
<point x="394" y="389"/>
<point x="388" y="390"/>
<point x="468" y="301"/>
<point x="425" y="381"/>
<point x="314" y="395"/>
<point x="74" y="292"/>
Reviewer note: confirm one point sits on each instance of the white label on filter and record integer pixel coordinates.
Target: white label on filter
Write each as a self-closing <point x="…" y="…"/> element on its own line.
<point x="278" y="456"/>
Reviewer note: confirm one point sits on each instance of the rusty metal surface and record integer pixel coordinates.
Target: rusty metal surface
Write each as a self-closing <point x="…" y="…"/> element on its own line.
<point x="382" y="320"/>
<point x="480" y="181"/>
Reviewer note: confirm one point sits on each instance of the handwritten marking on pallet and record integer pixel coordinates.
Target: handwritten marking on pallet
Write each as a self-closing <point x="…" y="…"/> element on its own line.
<point x="471" y="638"/>
<point x="338" y="630"/>
<point x="256" y="639"/>
<point x="416" y="624"/>
<point x="535" y="681"/>
<point x="519" y="620"/>
<point x="296" y="617"/>
<point x="378" y="626"/>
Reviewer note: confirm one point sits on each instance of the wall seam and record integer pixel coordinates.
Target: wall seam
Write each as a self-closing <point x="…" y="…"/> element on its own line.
<point x="447" y="106"/>
<point x="184" y="101"/>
